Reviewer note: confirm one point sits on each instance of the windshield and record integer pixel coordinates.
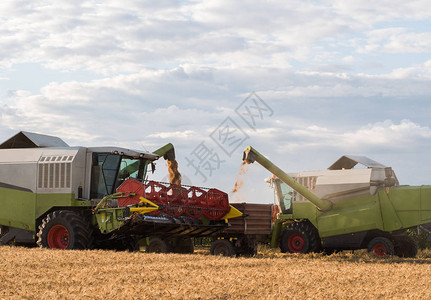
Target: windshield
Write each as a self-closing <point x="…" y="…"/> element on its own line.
<point x="110" y="170"/>
<point x="284" y="194"/>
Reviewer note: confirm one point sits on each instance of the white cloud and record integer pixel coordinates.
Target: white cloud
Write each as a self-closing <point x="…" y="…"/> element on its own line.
<point x="172" y="134"/>
<point x="191" y="97"/>
<point x="368" y="12"/>
<point x="412" y="76"/>
<point x="117" y="37"/>
<point x="172" y="71"/>
<point x="379" y="136"/>
<point x="125" y="36"/>
<point x="387" y="135"/>
<point x="396" y="40"/>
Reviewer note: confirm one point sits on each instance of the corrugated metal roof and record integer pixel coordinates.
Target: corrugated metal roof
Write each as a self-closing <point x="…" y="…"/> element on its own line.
<point x="24" y="139"/>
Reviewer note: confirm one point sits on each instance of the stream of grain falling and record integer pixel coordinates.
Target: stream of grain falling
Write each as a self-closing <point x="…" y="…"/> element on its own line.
<point x="174" y="175"/>
<point x="239" y="182"/>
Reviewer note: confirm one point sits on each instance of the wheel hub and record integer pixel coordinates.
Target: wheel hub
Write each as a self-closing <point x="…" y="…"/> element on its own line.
<point x="379" y="250"/>
<point x="296" y="243"/>
<point x="58" y="237"/>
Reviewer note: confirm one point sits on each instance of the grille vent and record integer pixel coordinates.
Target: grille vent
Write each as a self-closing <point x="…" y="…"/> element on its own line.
<point x="55" y="172"/>
<point x="307" y="181"/>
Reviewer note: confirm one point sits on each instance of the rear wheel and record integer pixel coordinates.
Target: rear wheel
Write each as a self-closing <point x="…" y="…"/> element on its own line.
<point x="381" y="247"/>
<point x="64" y="230"/>
<point x="301" y="237"/>
<point x="405" y="246"/>
<point x="222" y="247"/>
<point x="158" y="245"/>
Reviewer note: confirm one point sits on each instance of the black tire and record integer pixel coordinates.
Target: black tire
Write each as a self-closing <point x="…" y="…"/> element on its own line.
<point x="329" y="251"/>
<point x="158" y="245"/>
<point x="128" y="243"/>
<point x="381" y="247"/>
<point x="184" y="245"/>
<point x="64" y="229"/>
<point x="405" y="246"/>
<point x="222" y="247"/>
<point x="132" y="244"/>
<point x="250" y="251"/>
<point x="246" y="246"/>
<point x="300" y="237"/>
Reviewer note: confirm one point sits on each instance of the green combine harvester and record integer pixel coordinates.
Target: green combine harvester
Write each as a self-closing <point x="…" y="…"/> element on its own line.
<point x="346" y="208"/>
<point x="63" y="197"/>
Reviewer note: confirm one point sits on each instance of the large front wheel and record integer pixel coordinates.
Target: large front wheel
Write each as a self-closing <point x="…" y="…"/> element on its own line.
<point x="301" y="237"/>
<point x="64" y="230"/>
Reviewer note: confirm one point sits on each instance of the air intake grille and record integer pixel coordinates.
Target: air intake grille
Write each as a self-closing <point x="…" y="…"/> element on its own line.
<point x="55" y="172"/>
<point x="307" y="181"/>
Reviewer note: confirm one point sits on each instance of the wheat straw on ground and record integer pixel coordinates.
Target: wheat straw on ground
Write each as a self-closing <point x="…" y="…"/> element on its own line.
<point x="46" y="274"/>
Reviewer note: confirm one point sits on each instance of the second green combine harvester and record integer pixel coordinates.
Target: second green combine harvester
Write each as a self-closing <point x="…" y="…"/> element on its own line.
<point x="346" y="209"/>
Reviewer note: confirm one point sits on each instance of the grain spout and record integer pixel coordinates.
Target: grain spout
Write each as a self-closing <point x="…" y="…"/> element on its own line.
<point x="174" y="174"/>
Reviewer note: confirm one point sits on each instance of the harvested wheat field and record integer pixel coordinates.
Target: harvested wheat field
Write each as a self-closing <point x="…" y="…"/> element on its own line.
<point x="55" y="274"/>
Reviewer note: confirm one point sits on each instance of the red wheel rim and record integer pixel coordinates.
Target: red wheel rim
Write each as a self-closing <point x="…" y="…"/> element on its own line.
<point x="296" y="243"/>
<point x="379" y="250"/>
<point x="58" y="237"/>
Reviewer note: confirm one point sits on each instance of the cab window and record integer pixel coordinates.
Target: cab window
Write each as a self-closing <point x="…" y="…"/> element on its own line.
<point x="284" y="195"/>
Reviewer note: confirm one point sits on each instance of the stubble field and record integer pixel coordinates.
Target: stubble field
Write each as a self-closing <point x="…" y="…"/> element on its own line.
<point x="54" y="274"/>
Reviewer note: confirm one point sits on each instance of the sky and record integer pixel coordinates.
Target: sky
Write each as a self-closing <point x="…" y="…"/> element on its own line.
<point x="303" y="82"/>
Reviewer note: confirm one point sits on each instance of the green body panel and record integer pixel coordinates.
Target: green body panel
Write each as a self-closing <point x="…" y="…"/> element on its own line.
<point x="110" y="219"/>
<point x="350" y="216"/>
<point x="21" y="209"/>
<point x="389" y="215"/>
<point x="276" y="231"/>
<point x="47" y="201"/>
<point x="412" y="205"/>
<point x="17" y="209"/>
